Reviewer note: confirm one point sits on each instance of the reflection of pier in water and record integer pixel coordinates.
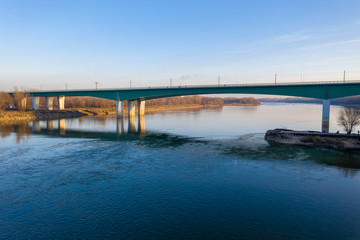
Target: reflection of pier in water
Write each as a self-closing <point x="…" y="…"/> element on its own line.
<point x="125" y="129"/>
<point x="36" y="127"/>
<point x="132" y="127"/>
<point x="348" y="163"/>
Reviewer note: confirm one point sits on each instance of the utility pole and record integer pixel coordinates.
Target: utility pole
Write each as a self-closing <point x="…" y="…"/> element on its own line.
<point x="344" y="76"/>
<point x="219" y="80"/>
<point x="301" y="73"/>
<point x="96" y="83"/>
<point x="170" y="82"/>
<point x="275" y="78"/>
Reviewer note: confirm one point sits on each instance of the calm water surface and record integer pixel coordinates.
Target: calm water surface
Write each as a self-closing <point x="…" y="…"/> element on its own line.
<point x="205" y="174"/>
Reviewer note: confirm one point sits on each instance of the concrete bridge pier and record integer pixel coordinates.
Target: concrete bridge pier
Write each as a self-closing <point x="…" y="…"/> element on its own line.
<point x="325" y="116"/>
<point x="141" y="108"/>
<point x="61" y="101"/>
<point x="119" y="108"/>
<point x="49" y="103"/>
<point x="131" y="109"/>
<point x="35" y="103"/>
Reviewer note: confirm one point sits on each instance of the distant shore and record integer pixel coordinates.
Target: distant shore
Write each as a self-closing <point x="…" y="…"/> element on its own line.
<point x="31" y="115"/>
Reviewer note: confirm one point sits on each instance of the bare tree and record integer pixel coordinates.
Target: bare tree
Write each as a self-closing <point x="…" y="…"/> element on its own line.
<point x="349" y="117"/>
<point x="18" y="98"/>
<point x="5" y="100"/>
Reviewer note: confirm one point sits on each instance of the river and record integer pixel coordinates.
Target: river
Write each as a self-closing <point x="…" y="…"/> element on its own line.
<point x="205" y="174"/>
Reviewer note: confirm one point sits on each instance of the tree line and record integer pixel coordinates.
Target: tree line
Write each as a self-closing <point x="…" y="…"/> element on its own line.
<point x="353" y="100"/>
<point x="84" y="102"/>
<point x="241" y="101"/>
<point x="16" y="100"/>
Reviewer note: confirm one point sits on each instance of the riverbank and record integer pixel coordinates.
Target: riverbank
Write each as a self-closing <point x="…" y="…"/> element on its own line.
<point x="314" y="139"/>
<point x="31" y="115"/>
<point x="148" y="109"/>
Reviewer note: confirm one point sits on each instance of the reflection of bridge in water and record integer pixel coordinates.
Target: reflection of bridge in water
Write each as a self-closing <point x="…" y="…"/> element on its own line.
<point x="347" y="162"/>
<point x="132" y="127"/>
<point x="57" y="129"/>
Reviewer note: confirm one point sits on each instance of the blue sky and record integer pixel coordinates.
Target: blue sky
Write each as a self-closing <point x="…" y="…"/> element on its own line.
<point x="51" y="43"/>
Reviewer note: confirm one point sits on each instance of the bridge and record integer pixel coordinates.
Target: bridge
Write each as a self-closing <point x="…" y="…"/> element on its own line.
<point x="319" y="90"/>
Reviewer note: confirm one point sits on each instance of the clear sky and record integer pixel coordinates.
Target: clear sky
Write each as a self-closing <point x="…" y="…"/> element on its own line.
<point x="53" y="42"/>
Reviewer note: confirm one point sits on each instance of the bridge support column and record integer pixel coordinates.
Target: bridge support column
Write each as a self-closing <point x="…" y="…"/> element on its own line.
<point x="119" y="108"/>
<point x="49" y="103"/>
<point x="325" y="116"/>
<point x="35" y="103"/>
<point x="61" y="101"/>
<point x="141" y="108"/>
<point x="131" y="109"/>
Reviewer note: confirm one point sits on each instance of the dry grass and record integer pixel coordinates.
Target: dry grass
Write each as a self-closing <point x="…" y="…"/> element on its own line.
<point x="7" y="116"/>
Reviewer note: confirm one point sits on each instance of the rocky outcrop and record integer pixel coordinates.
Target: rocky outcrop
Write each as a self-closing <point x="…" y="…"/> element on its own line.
<point x="314" y="139"/>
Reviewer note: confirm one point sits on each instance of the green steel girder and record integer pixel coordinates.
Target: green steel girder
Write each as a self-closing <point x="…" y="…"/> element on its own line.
<point x="319" y="90"/>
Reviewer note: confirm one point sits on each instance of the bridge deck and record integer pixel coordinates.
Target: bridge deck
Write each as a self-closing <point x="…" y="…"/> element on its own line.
<point x="320" y="90"/>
